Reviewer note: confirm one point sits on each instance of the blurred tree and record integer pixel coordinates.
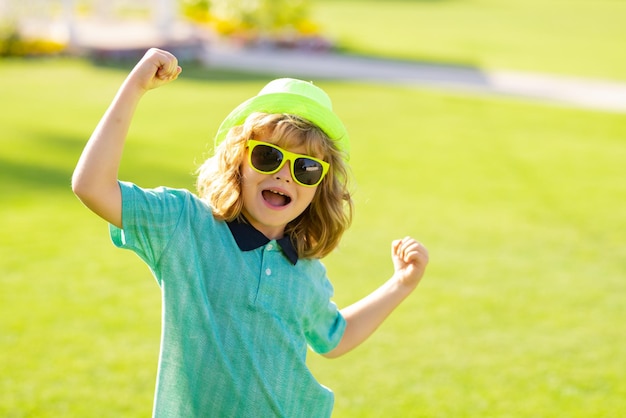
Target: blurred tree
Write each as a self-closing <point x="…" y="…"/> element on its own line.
<point x="196" y="10"/>
<point x="265" y="17"/>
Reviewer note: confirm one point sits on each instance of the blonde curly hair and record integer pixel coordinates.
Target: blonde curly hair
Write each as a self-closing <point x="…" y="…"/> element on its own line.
<point x="318" y="230"/>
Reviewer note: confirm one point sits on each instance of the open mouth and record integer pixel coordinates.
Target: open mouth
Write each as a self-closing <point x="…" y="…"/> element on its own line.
<point x="275" y="198"/>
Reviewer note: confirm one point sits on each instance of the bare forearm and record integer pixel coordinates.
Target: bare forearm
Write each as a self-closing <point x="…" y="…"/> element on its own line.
<point x="96" y="173"/>
<point x="365" y="316"/>
<point x="101" y="157"/>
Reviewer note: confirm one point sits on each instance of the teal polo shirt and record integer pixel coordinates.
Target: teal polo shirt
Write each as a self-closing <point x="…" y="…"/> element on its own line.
<point x="239" y="311"/>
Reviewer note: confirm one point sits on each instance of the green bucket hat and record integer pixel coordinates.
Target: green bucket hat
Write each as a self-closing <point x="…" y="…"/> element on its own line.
<point x="294" y="97"/>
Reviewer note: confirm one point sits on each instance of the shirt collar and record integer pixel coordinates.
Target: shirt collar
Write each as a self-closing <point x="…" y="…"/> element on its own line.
<point x="248" y="238"/>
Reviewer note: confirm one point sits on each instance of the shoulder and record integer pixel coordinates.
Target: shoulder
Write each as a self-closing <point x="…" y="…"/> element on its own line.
<point x="159" y="195"/>
<point x="162" y="206"/>
<point x="159" y="192"/>
<point x="315" y="272"/>
<point x="313" y="266"/>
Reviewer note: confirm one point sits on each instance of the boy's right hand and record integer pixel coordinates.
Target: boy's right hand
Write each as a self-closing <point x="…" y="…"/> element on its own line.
<point x="156" y="68"/>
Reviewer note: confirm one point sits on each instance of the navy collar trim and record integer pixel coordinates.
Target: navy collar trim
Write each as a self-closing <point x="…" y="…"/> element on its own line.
<point x="248" y="238"/>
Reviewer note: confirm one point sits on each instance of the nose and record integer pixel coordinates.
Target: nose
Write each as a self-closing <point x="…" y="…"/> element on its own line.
<point x="284" y="173"/>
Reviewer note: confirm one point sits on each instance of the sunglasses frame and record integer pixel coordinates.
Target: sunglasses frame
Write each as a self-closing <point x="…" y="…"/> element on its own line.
<point x="287" y="156"/>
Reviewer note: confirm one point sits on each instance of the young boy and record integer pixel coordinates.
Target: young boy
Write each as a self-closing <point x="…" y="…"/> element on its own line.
<point x="244" y="292"/>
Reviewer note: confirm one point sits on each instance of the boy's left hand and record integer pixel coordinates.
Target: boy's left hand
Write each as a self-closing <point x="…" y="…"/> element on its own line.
<point x="409" y="260"/>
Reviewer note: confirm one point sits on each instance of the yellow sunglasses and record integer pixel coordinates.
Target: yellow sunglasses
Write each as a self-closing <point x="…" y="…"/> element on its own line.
<point x="266" y="158"/>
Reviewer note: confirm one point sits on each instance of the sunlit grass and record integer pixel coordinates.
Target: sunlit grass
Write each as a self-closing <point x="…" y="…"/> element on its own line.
<point x="574" y="37"/>
<point x="522" y="310"/>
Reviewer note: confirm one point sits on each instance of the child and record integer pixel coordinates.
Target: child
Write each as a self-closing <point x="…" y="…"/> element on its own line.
<point x="243" y="289"/>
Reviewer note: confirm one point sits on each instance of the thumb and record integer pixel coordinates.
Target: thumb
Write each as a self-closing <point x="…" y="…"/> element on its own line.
<point x="395" y="247"/>
<point x="169" y="71"/>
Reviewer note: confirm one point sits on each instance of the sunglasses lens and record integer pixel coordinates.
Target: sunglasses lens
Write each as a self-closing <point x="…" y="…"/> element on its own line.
<point x="307" y="171"/>
<point x="266" y="159"/>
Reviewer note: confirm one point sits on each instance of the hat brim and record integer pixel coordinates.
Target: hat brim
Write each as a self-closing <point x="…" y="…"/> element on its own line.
<point x="293" y="104"/>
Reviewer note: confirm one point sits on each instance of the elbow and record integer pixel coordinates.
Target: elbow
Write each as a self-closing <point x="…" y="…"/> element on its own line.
<point x="79" y="186"/>
<point x="338" y="351"/>
<point x="85" y="188"/>
<point x="102" y="198"/>
<point x="75" y="185"/>
<point x="333" y="354"/>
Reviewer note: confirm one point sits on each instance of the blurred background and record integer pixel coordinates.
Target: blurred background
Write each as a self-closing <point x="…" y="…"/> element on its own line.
<point x="494" y="131"/>
<point x="45" y="26"/>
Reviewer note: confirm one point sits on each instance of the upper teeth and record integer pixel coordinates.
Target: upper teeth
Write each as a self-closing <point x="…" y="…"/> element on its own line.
<point x="277" y="192"/>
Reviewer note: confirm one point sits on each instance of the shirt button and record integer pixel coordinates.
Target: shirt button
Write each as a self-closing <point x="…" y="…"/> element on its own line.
<point x="269" y="247"/>
<point x="268" y="272"/>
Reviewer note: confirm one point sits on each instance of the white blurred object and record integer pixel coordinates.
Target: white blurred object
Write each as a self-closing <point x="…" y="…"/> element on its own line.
<point x="69" y="21"/>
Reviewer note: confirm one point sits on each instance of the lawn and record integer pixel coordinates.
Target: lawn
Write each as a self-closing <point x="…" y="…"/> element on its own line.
<point x="575" y="37"/>
<point x="520" y="204"/>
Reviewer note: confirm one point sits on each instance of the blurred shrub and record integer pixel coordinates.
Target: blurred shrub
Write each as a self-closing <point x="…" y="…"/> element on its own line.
<point x="283" y="23"/>
<point x="264" y="15"/>
<point x="13" y="44"/>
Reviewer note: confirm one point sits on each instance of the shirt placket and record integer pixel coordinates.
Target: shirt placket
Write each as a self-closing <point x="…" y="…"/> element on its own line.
<point x="269" y="268"/>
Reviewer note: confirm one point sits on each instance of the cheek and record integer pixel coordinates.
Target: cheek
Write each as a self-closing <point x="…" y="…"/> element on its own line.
<point x="307" y="195"/>
<point x="250" y="181"/>
<point x="248" y="175"/>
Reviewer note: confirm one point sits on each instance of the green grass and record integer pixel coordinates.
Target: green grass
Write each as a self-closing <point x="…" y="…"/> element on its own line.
<point x="521" y="205"/>
<point x="575" y="37"/>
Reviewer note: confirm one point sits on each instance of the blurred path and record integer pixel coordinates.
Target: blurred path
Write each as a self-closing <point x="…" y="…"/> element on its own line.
<point x="587" y="93"/>
<point x="189" y="43"/>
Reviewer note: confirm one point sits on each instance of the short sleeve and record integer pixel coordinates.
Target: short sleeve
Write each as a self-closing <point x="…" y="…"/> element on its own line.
<point x="149" y="219"/>
<point x="327" y="325"/>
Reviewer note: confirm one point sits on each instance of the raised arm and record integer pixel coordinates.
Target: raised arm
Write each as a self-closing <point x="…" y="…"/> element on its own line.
<point x="365" y="316"/>
<point x="95" y="177"/>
